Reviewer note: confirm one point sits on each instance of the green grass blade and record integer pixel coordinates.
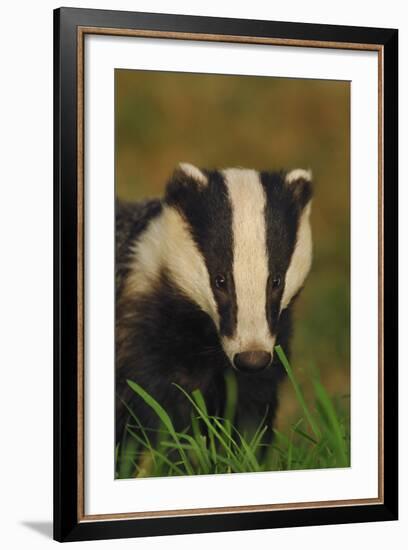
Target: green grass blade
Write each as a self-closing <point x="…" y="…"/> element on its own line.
<point x="201" y="442"/>
<point x="305" y="435"/>
<point x="214" y="435"/>
<point x="128" y="453"/>
<point x="139" y="425"/>
<point x="200" y="401"/>
<point x="298" y="392"/>
<point x="164" y="417"/>
<point x="259" y="432"/>
<point x="198" y="453"/>
<point x="334" y="431"/>
<point x="158" y="454"/>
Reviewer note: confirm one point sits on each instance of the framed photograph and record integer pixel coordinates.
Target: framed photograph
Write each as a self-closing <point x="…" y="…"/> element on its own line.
<point x="225" y="274"/>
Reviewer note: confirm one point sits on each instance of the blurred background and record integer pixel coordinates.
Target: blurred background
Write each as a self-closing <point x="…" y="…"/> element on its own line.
<point x="218" y="121"/>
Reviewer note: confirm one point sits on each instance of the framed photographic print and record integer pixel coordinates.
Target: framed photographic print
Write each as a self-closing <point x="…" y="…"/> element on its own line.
<point x="225" y="274"/>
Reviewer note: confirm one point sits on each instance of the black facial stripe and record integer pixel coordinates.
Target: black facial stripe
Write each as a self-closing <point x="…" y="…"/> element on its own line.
<point x="207" y="210"/>
<point x="281" y="217"/>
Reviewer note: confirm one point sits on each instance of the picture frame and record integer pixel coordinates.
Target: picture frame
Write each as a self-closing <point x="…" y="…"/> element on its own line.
<point x="71" y="28"/>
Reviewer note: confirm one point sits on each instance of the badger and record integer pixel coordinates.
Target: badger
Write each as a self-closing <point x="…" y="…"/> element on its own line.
<point x="206" y="279"/>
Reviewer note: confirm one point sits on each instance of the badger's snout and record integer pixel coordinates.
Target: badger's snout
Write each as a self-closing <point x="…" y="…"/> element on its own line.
<point x="252" y="361"/>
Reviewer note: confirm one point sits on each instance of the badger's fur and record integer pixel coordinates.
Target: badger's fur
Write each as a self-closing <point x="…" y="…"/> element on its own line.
<point x="205" y="282"/>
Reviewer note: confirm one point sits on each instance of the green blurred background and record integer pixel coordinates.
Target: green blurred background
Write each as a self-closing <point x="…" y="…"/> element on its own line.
<point x="218" y="121"/>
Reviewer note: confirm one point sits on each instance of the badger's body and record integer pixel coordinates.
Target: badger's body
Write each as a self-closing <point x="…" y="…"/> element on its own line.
<point x="205" y="282"/>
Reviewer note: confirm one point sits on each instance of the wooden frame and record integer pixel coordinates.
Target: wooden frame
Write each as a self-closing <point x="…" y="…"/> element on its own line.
<point x="70" y="28"/>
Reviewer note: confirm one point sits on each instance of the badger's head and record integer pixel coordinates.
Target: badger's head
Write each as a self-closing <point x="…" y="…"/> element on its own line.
<point x="238" y="244"/>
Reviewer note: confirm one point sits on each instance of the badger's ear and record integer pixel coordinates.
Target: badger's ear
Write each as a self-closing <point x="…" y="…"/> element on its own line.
<point x="300" y="183"/>
<point x="189" y="171"/>
<point x="186" y="178"/>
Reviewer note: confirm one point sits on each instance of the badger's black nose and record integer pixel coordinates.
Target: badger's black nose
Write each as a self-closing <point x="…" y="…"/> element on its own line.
<point x="252" y="361"/>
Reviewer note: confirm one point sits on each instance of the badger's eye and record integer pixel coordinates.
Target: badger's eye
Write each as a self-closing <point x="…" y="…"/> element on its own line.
<point x="276" y="282"/>
<point x="220" y="281"/>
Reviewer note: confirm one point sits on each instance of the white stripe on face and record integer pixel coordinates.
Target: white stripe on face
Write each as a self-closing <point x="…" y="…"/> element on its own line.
<point x="250" y="267"/>
<point x="301" y="259"/>
<point x="168" y="244"/>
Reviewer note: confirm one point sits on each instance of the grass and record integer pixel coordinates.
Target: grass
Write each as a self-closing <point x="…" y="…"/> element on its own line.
<point x="319" y="438"/>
